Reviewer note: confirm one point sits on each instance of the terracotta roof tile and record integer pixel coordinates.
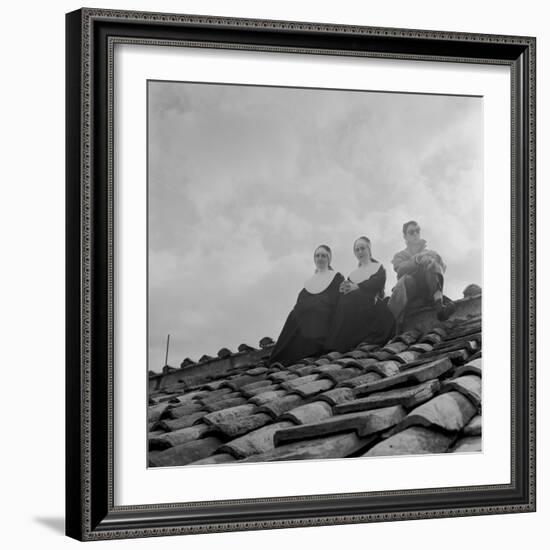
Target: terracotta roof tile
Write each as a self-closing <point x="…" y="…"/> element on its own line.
<point x="472" y="367"/>
<point x="214" y="395"/>
<point x="181" y="410"/>
<point x="304" y="370"/>
<point x="266" y="397"/>
<point x="384" y="368"/>
<point x="278" y="406"/>
<point x="186" y="398"/>
<point x="473" y="427"/>
<point x="406" y="356"/>
<point x="422" y="348"/>
<point x="282" y="376"/>
<point x="236" y="421"/>
<point x="291" y="385"/>
<point x="306" y="414"/>
<point x="467" y="445"/>
<point x="469" y="386"/>
<point x="242" y="380"/>
<point x="341" y="374"/>
<point x="225" y="403"/>
<point x="363" y="423"/>
<point x="254" y="442"/>
<point x="415" y="375"/>
<point x="381" y="355"/>
<point x="249" y="390"/>
<point x="336" y="446"/>
<point x="313" y="388"/>
<point x="178" y="437"/>
<point x="448" y="411"/>
<point x="409" y="337"/>
<point x="224" y="352"/>
<point x="337" y="395"/>
<point x="409" y="397"/>
<point x="218" y="458"/>
<point x="362" y="380"/>
<point x="186" y="453"/>
<point x="412" y="441"/>
<point x="395" y="347"/>
<point x="183" y="422"/>
<point x="320" y="407"/>
<point x="154" y="412"/>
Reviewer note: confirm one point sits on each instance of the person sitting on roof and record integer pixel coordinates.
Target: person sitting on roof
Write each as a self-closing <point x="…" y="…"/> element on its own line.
<point x="419" y="276"/>
<point x="362" y="314"/>
<point x="307" y="325"/>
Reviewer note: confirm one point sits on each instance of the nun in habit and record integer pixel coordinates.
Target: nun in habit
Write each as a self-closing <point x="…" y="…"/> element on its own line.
<point x="362" y="314"/>
<point x="307" y="325"/>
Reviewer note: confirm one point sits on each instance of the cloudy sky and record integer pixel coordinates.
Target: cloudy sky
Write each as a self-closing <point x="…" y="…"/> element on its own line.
<point x="245" y="182"/>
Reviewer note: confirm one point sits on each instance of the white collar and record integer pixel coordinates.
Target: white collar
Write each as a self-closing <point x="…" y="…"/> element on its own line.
<point x="364" y="272"/>
<point x="319" y="281"/>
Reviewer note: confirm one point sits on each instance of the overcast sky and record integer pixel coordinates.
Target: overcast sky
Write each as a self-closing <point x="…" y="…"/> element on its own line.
<point x="245" y="182"/>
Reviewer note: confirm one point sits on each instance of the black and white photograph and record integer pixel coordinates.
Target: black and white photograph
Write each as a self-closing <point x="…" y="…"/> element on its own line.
<point x="314" y="273"/>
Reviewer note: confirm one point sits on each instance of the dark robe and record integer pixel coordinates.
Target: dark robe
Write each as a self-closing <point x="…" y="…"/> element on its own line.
<point x="362" y="316"/>
<point x="307" y="325"/>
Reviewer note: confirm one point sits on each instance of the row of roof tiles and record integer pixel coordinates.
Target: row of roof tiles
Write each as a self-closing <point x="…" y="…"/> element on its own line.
<point x="420" y="393"/>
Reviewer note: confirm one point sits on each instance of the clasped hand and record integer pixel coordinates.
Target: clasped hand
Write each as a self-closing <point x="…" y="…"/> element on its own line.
<point x="425" y="260"/>
<point x="347" y="286"/>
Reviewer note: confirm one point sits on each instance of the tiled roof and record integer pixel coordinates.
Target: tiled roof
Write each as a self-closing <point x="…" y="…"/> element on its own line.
<point x="420" y="393"/>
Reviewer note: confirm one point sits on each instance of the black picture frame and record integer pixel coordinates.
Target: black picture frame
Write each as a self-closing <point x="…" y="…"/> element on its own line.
<point x="90" y="510"/>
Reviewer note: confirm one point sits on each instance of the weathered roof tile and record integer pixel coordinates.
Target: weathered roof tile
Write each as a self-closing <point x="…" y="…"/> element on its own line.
<point x="408" y="397"/>
<point x="178" y="437"/>
<point x="395" y="347"/>
<point x="254" y="442"/>
<point x="469" y="385"/>
<point x="471" y="367"/>
<point x="467" y="445"/>
<point x="414" y="375"/>
<point x="266" y="397"/>
<point x="183" y="422"/>
<point x="291" y="385"/>
<point x="407" y="356"/>
<point x="363" y="423"/>
<point x="384" y="368"/>
<point x="335" y="446"/>
<point x="473" y="427"/>
<point x="412" y="441"/>
<point x="154" y="412"/>
<point x="313" y="388"/>
<point x="306" y="414"/>
<point x="282" y="376"/>
<point x="185" y="453"/>
<point x="340" y="375"/>
<point x="218" y="458"/>
<point x="225" y="403"/>
<point x="362" y="380"/>
<point x="181" y="410"/>
<point x="278" y="406"/>
<point x="337" y="395"/>
<point x="448" y="411"/>
<point x="250" y="390"/>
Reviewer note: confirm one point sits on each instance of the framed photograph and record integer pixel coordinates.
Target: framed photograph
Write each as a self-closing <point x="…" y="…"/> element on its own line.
<point x="300" y="274"/>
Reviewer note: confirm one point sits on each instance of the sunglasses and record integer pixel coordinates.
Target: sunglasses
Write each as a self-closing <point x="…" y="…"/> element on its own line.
<point x="413" y="231"/>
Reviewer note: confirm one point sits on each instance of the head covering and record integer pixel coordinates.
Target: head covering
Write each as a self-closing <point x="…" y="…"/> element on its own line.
<point x="364" y="271"/>
<point x="369" y="246"/>
<point x="321" y="280"/>
<point x="327" y="248"/>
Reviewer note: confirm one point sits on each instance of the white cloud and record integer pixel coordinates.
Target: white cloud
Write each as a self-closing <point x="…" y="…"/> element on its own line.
<point x="245" y="182"/>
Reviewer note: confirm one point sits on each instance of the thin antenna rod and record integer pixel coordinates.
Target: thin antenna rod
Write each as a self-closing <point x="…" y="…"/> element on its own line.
<point x="167" y="346"/>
